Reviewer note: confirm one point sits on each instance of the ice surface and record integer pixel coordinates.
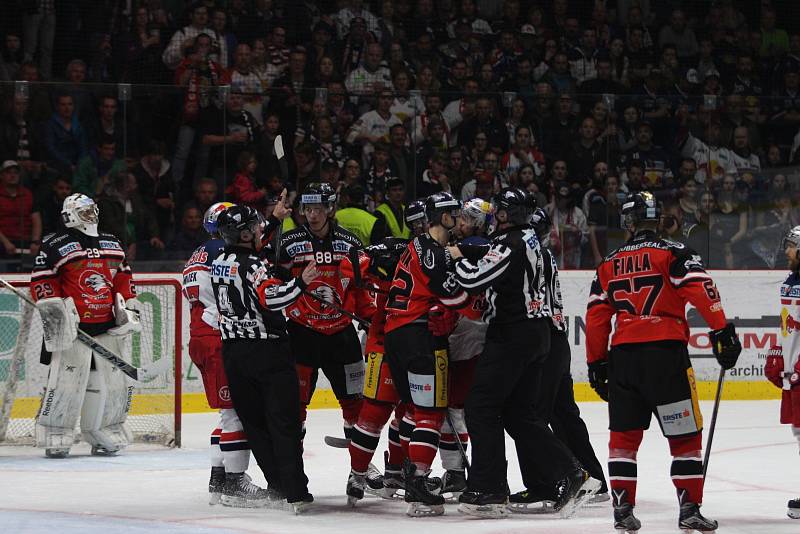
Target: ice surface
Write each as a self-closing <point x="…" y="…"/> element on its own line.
<point x="754" y="470"/>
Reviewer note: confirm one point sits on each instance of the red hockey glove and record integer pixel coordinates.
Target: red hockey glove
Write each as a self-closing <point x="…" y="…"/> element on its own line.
<point x="773" y="369"/>
<point x="441" y="321"/>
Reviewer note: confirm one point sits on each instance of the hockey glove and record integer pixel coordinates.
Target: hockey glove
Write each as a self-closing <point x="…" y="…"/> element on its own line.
<point x="773" y="369"/>
<point x="598" y="378"/>
<point x="725" y="345"/>
<point x="441" y="321"/>
<point x="794" y="378"/>
<point x="126" y="315"/>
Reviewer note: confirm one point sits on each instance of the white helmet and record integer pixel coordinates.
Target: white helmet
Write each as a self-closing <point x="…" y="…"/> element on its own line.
<point x="212" y="213"/>
<point x="478" y="210"/>
<point x="80" y="211"/>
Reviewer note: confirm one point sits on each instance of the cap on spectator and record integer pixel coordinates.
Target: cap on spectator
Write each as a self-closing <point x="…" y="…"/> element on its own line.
<point x="394" y="182"/>
<point x="9" y="164"/>
<point x="323" y="26"/>
<point x="692" y="76"/>
<point x="329" y="165"/>
<point x="562" y="189"/>
<point x="527" y="29"/>
<point x="713" y="72"/>
<point x="358" y="20"/>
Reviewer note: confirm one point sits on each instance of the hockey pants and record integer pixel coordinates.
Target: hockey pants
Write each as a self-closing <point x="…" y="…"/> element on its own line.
<point x="99" y="393"/>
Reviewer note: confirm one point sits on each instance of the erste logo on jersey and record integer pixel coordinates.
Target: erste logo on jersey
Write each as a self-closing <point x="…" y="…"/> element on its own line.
<point x="224" y="269"/>
<point x="95" y="285"/>
<point x="112" y="245"/>
<point x="69" y="248"/>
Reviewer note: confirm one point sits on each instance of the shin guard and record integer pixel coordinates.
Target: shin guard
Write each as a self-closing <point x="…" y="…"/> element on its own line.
<point x="233" y="443"/>
<point x="425" y="438"/>
<point x="366" y="434"/>
<point x="622" y="471"/>
<point x="687" y="467"/>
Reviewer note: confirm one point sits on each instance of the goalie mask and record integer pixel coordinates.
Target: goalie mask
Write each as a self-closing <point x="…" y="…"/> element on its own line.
<point x="211" y="216"/>
<point x="80" y="212"/>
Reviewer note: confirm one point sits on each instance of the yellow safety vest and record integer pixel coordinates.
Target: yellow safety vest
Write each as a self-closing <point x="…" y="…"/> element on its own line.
<point x="358" y="221"/>
<point x="288" y="224"/>
<point x="398" y="229"/>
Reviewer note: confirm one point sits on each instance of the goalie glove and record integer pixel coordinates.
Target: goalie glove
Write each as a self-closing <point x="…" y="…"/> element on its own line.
<point x="126" y="315"/>
<point x="725" y="345"/>
<point x="598" y="378"/>
<point x="59" y="321"/>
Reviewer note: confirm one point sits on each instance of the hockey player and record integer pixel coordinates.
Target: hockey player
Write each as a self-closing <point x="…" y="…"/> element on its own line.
<point x="415" y="218"/>
<point x="555" y="398"/>
<point x="321" y="336"/>
<point x="81" y="279"/>
<point x="783" y="366"/>
<point x="419" y="367"/>
<point x="647" y="283"/>
<point x="257" y="356"/>
<point x="230" y="451"/>
<point x="465" y="343"/>
<point x="373" y="268"/>
<point x="511" y="277"/>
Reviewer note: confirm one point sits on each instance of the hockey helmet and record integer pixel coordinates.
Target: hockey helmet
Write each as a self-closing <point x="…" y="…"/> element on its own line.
<point x="639" y="207"/>
<point x="792" y="237"/>
<point x="415" y="217"/>
<point x="80" y="212"/>
<point x="541" y="224"/>
<point x="212" y="214"/>
<point x="318" y="193"/>
<point x="478" y="211"/>
<point x="440" y="203"/>
<point x="384" y="256"/>
<point x="240" y="224"/>
<point x="517" y="204"/>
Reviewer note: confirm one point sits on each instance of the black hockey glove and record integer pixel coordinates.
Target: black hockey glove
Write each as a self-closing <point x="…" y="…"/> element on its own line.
<point x="725" y="345"/>
<point x="598" y="378"/>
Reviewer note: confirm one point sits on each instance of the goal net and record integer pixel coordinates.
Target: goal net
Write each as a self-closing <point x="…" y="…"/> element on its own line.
<point x="154" y="416"/>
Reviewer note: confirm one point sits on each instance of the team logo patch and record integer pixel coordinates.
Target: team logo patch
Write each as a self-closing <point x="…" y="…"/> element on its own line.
<point x="71" y="247"/>
<point x="429" y="260"/>
<point x="224" y="394"/>
<point x="94" y="284"/>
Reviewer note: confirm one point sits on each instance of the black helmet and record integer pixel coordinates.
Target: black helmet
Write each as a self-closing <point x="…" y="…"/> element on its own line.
<point x="237" y="219"/>
<point x="415" y="217"/>
<point x="384" y="256"/>
<point x="319" y="193"/>
<point x="638" y="207"/>
<point x="440" y="203"/>
<point x="541" y="223"/>
<point x="517" y="204"/>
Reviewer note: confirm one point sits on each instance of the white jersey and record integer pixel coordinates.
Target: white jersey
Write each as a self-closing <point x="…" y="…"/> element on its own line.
<point x="711" y="161"/>
<point x="467" y="340"/>
<point x="204" y="316"/>
<point x="789" y="333"/>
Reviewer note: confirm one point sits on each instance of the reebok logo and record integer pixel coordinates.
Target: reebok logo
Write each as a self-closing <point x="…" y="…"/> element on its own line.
<point x="48" y="402"/>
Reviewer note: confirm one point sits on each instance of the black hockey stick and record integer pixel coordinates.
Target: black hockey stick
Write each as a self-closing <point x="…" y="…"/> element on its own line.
<point x="95" y="345"/>
<point x="713" y="421"/>
<point x="461" y="447"/>
<point x="280" y="154"/>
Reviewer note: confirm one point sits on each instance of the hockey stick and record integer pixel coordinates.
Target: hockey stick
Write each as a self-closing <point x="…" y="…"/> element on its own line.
<point x="280" y="154"/>
<point x="461" y="448"/>
<point x="713" y="421"/>
<point x="138" y="374"/>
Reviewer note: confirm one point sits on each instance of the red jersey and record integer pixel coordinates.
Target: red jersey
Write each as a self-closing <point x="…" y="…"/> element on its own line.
<point x="298" y="247"/>
<point x="89" y="269"/>
<point x="358" y="297"/>
<point x="647" y="284"/>
<point x="424" y="277"/>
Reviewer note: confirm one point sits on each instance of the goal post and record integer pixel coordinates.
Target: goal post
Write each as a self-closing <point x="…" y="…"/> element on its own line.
<point x="155" y="413"/>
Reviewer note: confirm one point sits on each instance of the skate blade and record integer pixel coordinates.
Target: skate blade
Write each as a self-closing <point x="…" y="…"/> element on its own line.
<point x="581" y="498"/>
<point x="793" y="513"/>
<point x="240" y="502"/>
<point x="351" y="501"/>
<point x="451" y="497"/>
<point x="485" y="511"/>
<point x="300" y="508"/>
<point x="214" y="498"/>
<point x="599" y="498"/>
<point x="374" y="491"/>
<point x="690" y="530"/>
<point x="418" y="509"/>
<point x="541" y="507"/>
<point x="393" y="493"/>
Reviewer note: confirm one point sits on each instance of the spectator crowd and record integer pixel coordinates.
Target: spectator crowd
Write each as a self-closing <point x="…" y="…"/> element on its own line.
<point x="158" y="108"/>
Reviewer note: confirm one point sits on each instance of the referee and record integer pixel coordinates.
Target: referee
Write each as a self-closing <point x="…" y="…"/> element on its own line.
<point x="256" y="354"/>
<point x="512" y="277"/>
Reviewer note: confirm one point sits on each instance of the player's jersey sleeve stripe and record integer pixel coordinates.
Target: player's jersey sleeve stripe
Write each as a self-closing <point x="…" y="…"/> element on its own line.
<point x="690" y="277"/>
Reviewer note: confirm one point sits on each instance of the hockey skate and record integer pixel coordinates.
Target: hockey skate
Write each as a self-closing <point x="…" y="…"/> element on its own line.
<point x="485" y="505"/>
<point x="374" y="480"/>
<point x="793" y="509"/>
<point x="392" y="481"/>
<point x="454" y="483"/>
<point x="215" y="485"/>
<point x="538" y="500"/>
<point x="691" y="520"/>
<point x="355" y="487"/>
<point x="98" y="450"/>
<point x="302" y="505"/>
<point x="574" y="491"/>
<point x="240" y="492"/>
<point x="421" y="501"/>
<point x="624" y="520"/>
<point x="56" y="453"/>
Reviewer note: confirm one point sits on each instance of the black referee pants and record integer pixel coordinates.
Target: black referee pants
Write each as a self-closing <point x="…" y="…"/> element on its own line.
<point x="263" y="385"/>
<point x="502" y="398"/>
<point x="555" y="404"/>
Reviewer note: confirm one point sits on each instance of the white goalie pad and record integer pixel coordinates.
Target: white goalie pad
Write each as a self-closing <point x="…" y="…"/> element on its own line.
<point x="126" y="315"/>
<point x="59" y="321"/>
